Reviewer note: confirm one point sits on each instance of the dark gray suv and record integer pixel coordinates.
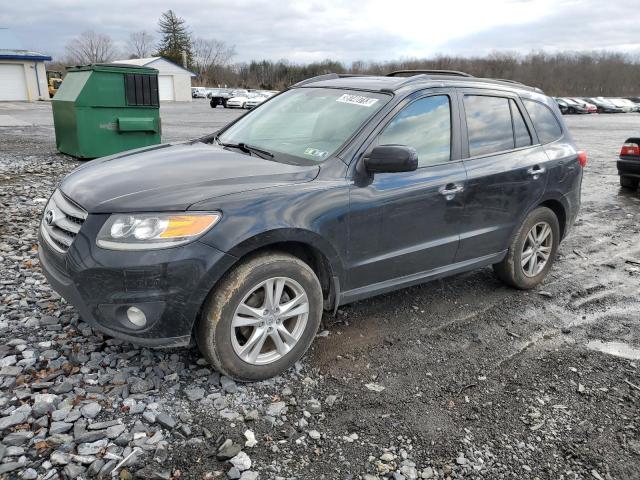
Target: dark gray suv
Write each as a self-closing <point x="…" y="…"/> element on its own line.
<point x="340" y="188"/>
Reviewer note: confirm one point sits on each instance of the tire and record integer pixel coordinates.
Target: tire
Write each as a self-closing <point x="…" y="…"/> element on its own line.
<point x="511" y="269"/>
<point x="629" y="183"/>
<point x="220" y="340"/>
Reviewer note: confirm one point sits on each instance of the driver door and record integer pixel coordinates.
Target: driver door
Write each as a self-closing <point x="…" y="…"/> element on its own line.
<point x="404" y="226"/>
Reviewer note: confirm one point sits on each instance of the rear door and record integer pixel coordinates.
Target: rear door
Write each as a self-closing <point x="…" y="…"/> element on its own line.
<point x="506" y="170"/>
<point x="403" y="225"/>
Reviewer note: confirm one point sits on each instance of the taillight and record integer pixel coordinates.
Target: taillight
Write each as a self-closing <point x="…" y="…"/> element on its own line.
<point x="582" y="158"/>
<point x="630" y="149"/>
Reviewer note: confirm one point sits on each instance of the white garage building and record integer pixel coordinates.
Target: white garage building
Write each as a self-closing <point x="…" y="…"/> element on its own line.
<point x="174" y="81"/>
<point x="23" y="76"/>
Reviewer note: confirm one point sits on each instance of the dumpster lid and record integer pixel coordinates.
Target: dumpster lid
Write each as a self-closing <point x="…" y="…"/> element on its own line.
<point x="114" y="68"/>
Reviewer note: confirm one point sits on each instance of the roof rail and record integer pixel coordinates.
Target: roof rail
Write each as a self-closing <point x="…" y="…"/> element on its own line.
<point x="429" y="72"/>
<point x="326" y="76"/>
<point x="317" y="78"/>
<point x="508" y="80"/>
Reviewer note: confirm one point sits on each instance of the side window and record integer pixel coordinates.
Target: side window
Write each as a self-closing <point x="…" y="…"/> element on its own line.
<point x="488" y="124"/>
<point x="544" y="121"/>
<point x="424" y="125"/>
<point x="521" y="132"/>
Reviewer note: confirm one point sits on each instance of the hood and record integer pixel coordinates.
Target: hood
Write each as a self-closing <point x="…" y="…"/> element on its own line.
<point x="173" y="177"/>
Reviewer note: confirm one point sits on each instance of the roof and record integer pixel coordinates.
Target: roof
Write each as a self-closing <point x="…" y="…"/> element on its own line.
<point x="12" y="49"/>
<point x="146" y="62"/>
<point x="394" y="83"/>
<point x="113" y="67"/>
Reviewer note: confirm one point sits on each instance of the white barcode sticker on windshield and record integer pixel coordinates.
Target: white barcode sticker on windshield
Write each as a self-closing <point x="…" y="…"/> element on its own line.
<point x="315" y="152"/>
<point x="357" y="100"/>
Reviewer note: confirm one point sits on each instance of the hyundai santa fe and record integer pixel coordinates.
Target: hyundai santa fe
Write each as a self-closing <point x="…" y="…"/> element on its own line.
<point x="338" y="189"/>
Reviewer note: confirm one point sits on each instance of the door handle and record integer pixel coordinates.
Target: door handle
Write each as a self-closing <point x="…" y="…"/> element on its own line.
<point x="536" y="171"/>
<point x="450" y="190"/>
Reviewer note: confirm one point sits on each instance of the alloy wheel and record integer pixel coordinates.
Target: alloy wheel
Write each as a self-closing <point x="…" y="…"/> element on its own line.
<point x="536" y="249"/>
<point x="269" y="321"/>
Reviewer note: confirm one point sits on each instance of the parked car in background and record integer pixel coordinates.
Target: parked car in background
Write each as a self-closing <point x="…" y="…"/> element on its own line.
<point x="219" y="96"/>
<point x="339" y="189"/>
<point x="632" y="106"/>
<point x="636" y="101"/>
<point x="573" y="106"/>
<point x="590" y="107"/>
<point x="255" y="100"/>
<point x="198" y="92"/>
<point x="603" y="105"/>
<point x="238" y="100"/>
<point x="624" y="105"/>
<point x="563" y="106"/>
<point x="629" y="163"/>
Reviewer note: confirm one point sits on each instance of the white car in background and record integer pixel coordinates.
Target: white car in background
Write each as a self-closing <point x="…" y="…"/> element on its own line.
<point x="255" y="100"/>
<point x="620" y="103"/>
<point x="198" y="92"/>
<point x="630" y="106"/>
<point x="238" y="99"/>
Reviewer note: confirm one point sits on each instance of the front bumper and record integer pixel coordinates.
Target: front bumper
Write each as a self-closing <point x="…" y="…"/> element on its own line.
<point x="168" y="285"/>
<point x="629" y="168"/>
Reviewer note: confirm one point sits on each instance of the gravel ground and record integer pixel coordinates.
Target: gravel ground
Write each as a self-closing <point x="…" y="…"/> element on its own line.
<point x="458" y="378"/>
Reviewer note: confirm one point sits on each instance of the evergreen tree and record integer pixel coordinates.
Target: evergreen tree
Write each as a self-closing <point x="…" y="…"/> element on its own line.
<point x="175" y="39"/>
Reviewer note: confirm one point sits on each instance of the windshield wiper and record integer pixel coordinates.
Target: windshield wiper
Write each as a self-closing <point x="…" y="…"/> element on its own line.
<point x="248" y="148"/>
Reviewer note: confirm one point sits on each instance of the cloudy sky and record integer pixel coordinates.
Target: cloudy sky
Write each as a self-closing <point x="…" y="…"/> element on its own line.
<point x="344" y="30"/>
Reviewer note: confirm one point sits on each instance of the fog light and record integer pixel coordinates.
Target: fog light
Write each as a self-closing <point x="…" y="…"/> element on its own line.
<point x="136" y="316"/>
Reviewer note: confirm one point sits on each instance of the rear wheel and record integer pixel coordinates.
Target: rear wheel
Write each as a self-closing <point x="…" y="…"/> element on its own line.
<point x="532" y="251"/>
<point x="630" y="183"/>
<point x="261" y="318"/>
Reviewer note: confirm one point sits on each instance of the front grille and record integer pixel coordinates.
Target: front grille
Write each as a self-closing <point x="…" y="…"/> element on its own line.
<point x="61" y="222"/>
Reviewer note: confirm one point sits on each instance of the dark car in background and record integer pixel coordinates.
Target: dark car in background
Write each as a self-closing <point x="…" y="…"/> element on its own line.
<point x="571" y="106"/>
<point x="338" y="189"/>
<point x="629" y="163"/>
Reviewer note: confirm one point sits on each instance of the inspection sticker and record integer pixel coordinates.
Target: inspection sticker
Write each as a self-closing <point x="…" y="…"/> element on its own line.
<point x="315" y="152"/>
<point x="357" y="100"/>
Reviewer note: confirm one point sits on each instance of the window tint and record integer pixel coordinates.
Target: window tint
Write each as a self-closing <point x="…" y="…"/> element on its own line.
<point x="424" y="125"/>
<point x="488" y="124"/>
<point x="520" y="130"/>
<point x="544" y="121"/>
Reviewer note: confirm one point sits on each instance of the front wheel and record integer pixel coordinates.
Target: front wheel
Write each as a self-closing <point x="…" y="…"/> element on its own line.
<point x="261" y="318"/>
<point x="532" y="251"/>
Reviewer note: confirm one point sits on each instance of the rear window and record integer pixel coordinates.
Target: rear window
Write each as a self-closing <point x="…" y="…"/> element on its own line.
<point x="488" y="124"/>
<point x="544" y="121"/>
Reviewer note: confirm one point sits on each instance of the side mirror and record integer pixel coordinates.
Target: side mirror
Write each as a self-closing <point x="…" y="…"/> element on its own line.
<point x="391" y="159"/>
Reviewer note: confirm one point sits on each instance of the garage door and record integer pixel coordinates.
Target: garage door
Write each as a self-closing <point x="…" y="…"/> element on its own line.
<point x="13" y="84"/>
<point x="165" y="87"/>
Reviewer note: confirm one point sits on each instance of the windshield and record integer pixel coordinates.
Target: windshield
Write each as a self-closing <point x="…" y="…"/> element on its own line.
<point x="305" y="123"/>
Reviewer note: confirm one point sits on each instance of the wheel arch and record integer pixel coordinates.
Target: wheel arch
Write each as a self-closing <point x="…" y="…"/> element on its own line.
<point x="560" y="211"/>
<point x="306" y="245"/>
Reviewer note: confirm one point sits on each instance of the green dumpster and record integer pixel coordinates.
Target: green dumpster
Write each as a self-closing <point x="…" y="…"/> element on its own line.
<point x="102" y="109"/>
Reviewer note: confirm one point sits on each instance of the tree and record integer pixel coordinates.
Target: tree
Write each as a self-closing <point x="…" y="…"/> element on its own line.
<point x="175" y="43"/>
<point x="209" y="56"/>
<point x="140" y="44"/>
<point x="90" y="47"/>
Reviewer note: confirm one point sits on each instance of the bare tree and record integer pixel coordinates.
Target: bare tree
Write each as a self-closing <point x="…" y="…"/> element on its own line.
<point x="140" y="44"/>
<point x="90" y="47"/>
<point x="210" y="56"/>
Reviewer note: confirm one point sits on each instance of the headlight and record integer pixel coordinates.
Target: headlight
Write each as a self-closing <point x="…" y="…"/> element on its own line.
<point x="146" y="231"/>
